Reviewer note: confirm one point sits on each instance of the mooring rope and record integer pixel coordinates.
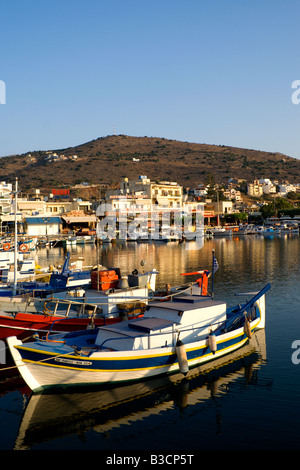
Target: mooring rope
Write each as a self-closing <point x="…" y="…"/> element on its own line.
<point x="33" y="362"/>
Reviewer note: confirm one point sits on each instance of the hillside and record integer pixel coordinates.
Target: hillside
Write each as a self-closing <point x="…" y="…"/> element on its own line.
<point x="109" y="159"/>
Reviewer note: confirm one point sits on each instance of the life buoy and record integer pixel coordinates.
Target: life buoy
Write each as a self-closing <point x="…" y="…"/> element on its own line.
<point x="23" y="248"/>
<point x="6" y="246"/>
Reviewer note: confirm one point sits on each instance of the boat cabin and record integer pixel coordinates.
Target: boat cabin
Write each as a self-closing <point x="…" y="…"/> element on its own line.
<point x="190" y="317"/>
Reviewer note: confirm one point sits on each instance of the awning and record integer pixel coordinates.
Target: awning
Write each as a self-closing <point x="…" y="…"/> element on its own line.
<point x="78" y="219"/>
<point x="43" y="220"/>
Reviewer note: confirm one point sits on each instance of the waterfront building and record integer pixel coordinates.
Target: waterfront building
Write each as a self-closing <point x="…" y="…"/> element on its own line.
<point x="129" y="204"/>
<point x="42" y="225"/>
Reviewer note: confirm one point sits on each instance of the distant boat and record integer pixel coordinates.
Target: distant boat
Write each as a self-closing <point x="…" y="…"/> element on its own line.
<point x="290" y="228"/>
<point x="268" y="231"/>
<point x="221" y="232"/>
<point x="247" y="229"/>
<point x="21" y="270"/>
<point x="65" y="280"/>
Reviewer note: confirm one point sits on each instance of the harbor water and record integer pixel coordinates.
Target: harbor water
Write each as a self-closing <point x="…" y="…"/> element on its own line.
<point x="249" y="401"/>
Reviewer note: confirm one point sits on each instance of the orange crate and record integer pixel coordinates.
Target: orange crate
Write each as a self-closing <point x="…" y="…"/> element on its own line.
<point x="107" y="280"/>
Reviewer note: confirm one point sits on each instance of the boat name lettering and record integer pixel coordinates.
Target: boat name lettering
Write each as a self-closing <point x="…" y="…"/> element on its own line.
<point x="73" y="362"/>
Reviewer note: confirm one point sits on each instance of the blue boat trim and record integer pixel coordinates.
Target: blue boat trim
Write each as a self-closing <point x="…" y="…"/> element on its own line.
<point x="124" y="363"/>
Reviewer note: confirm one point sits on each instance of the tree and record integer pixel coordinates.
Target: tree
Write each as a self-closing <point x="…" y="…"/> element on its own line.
<point x="236" y="218"/>
<point x="277" y="207"/>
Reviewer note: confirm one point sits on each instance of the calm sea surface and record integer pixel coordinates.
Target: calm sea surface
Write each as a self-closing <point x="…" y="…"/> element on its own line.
<point x="251" y="401"/>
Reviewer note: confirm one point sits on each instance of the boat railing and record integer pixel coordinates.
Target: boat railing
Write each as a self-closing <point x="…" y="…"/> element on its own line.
<point x="166" y="296"/>
<point x="80" y="307"/>
<point x="154" y="296"/>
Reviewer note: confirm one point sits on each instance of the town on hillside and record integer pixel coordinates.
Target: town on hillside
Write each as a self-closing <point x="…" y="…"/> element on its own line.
<point x="64" y="212"/>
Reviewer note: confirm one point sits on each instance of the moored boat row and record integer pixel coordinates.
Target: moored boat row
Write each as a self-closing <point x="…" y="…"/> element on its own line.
<point x="104" y="297"/>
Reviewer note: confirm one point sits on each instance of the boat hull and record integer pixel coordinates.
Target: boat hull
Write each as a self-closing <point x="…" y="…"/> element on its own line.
<point x="44" y="368"/>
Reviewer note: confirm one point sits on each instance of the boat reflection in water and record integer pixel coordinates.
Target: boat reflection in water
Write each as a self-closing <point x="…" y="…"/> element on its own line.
<point x="51" y="416"/>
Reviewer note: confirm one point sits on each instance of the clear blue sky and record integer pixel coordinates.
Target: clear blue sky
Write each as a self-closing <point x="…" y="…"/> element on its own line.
<point x="213" y="71"/>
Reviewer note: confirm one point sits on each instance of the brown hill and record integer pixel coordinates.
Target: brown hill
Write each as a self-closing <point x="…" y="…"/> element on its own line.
<point x="109" y="159"/>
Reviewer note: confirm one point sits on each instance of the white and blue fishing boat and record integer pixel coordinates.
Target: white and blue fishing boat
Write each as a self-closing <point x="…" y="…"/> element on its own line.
<point x="25" y="270"/>
<point x="63" y="280"/>
<point x="173" y="336"/>
<point x="57" y="415"/>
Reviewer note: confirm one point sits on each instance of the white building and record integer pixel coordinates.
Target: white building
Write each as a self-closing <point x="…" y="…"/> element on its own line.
<point x="200" y="191"/>
<point x="42" y="225"/>
<point x="165" y="194"/>
<point x="255" y="189"/>
<point x="264" y="181"/>
<point x="233" y="194"/>
<point x="129" y="204"/>
<point x="222" y="207"/>
<point x="284" y="189"/>
<point x="269" y="188"/>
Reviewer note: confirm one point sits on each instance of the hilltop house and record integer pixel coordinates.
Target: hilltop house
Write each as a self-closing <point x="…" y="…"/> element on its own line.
<point x="286" y="188"/>
<point x="255" y="189"/>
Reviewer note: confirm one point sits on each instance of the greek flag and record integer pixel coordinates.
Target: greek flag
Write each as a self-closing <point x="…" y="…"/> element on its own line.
<point x="215" y="265"/>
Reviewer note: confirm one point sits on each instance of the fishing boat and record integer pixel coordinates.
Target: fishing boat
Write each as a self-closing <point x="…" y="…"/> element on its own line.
<point x="63" y="280"/>
<point x="172" y="336"/>
<point x="168" y="233"/>
<point x="268" y="231"/>
<point x="109" y="301"/>
<point x="25" y="263"/>
<point x="66" y="279"/>
<point x="289" y="228"/>
<point x="57" y="415"/>
<point x="25" y="270"/>
<point x="247" y="229"/>
<point x="59" y="315"/>
<point x="221" y="232"/>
